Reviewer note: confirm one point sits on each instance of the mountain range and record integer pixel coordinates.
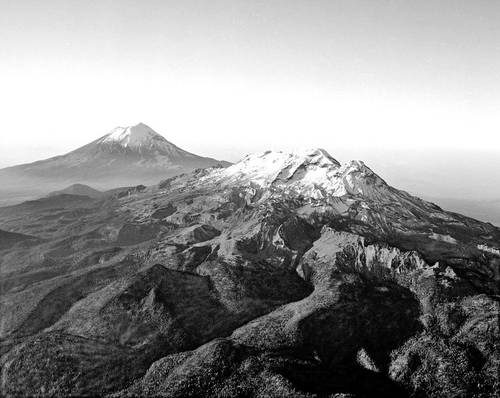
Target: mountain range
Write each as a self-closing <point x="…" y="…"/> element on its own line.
<point x="126" y="156"/>
<point x="283" y="275"/>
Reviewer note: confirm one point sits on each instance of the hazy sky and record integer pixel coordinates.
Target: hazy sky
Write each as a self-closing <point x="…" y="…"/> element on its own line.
<point x="224" y="78"/>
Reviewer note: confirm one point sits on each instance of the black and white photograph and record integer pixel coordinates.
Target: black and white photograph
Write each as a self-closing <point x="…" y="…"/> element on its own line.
<point x="250" y="198"/>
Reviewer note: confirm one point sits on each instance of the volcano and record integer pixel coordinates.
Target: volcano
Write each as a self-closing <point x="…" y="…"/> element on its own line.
<point x="126" y="156"/>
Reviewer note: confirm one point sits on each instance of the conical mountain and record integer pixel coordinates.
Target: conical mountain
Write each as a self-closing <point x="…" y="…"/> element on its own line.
<point x="125" y="156"/>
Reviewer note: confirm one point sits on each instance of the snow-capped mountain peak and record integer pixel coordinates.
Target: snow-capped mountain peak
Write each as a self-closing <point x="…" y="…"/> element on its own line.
<point x="125" y="156"/>
<point x="272" y="167"/>
<point x="139" y="135"/>
<point x="311" y="172"/>
<point x="141" y="139"/>
<point x="319" y="156"/>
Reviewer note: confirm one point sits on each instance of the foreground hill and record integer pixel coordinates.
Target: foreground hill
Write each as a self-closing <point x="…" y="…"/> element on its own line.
<point x="125" y="156"/>
<point x="282" y="275"/>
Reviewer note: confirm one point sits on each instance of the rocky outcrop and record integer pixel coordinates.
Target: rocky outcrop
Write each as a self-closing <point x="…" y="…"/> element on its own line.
<point x="368" y="302"/>
<point x="459" y="356"/>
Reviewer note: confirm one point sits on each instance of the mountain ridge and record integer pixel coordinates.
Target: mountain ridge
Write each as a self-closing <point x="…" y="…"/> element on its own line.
<point x="304" y="278"/>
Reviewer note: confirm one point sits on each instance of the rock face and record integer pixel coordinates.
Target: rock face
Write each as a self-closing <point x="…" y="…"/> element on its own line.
<point x="283" y="275"/>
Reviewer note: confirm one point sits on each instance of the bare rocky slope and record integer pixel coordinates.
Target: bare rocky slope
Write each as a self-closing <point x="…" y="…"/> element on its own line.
<point x="284" y="275"/>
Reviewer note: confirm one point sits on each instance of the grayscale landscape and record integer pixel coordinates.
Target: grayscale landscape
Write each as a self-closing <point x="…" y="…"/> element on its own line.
<point x="302" y="199"/>
<point x="284" y="274"/>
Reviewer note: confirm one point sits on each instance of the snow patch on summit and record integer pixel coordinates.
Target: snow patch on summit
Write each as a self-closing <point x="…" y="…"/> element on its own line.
<point x="488" y="249"/>
<point x="134" y="136"/>
<point x="144" y="140"/>
<point x="272" y="167"/>
<point x="312" y="173"/>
